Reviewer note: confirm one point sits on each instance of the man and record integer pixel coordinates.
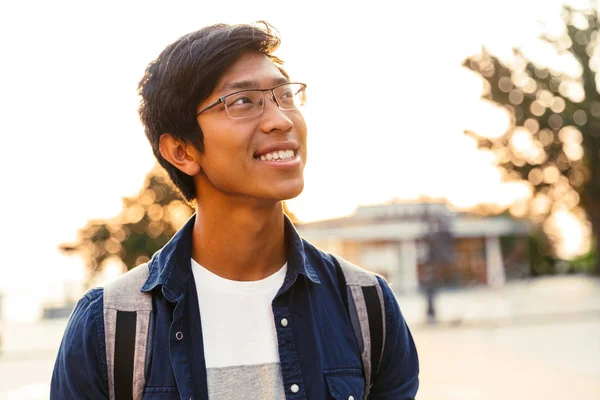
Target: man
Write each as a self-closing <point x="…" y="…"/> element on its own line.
<point x="242" y="307"/>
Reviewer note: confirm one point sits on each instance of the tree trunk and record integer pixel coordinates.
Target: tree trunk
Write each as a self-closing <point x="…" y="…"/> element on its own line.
<point x="591" y="192"/>
<point x="593" y="211"/>
<point x="595" y="220"/>
<point x="597" y="239"/>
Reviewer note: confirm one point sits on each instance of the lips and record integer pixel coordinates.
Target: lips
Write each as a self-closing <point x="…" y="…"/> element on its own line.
<point x="281" y="155"/>
<point x="279" y="151"/>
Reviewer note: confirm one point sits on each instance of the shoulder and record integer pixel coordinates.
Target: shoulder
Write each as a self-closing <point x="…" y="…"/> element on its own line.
<point x="330" y="263"/>
<point x="399" y="369"/>
<point x="94" y="295"/>
<point x="393" y="314"/>
<point x="80" y="366"/>
<point x="125" y="292"/>
<point x="88" y="308"/>
<point x="87" y="320"/>
<point x="314" y="254"/>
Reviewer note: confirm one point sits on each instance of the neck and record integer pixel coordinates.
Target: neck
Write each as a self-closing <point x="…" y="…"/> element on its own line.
<point x="239" y="242"/>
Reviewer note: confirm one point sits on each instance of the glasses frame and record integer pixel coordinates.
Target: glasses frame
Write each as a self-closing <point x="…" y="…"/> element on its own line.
<point x="273" y="97"/>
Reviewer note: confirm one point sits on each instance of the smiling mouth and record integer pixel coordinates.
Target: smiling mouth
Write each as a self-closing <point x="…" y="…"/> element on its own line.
<point x="280" y="156"/>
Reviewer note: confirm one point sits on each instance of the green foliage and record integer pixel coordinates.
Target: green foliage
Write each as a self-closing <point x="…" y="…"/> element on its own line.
<point x="583" y="264"/>
<point x="145" y="224"/>
<point x="554" y="139"/>
<point x="540" y="258"/>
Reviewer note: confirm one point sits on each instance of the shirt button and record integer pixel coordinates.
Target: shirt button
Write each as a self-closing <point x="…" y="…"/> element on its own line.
<point x="295" y="388"/>
<point x="179" y="336"/>
<point x="284" y="322"/>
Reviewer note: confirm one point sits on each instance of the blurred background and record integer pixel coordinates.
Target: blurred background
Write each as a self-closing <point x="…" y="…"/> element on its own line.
<point x="454" y="148"/>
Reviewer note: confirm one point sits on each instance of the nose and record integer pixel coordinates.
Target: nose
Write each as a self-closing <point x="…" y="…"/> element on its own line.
<point x="273" y="118"/>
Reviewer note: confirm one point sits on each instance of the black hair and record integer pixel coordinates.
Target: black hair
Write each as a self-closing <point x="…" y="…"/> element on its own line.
<point x="184" y="75"/>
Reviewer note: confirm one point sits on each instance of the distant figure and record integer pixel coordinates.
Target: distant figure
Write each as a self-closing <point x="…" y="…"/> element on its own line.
<point x="236" y="305"/>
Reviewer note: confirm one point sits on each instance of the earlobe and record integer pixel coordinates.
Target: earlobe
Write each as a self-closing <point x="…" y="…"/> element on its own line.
<point x="179" y="154"/>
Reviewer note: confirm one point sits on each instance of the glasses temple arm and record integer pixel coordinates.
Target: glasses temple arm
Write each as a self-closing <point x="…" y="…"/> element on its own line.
<point x="216" y="103"/>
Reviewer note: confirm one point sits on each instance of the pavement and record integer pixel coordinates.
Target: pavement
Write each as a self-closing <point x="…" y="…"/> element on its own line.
<point x="531" y="339"/>
<point x="529" y="301"/>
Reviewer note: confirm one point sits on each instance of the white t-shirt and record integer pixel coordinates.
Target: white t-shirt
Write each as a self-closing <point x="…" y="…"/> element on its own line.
<point x="240" y="340"/>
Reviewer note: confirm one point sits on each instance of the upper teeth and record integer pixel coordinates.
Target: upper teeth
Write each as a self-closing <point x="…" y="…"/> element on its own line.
<point x="281" y="155"/>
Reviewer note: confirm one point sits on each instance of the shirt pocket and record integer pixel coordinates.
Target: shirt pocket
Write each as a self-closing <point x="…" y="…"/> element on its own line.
<point x="345" y="383"/>
<point x="160" y="393"/>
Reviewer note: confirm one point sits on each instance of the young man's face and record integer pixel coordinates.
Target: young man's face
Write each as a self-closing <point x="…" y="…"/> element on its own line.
<point x="231" y="163"/>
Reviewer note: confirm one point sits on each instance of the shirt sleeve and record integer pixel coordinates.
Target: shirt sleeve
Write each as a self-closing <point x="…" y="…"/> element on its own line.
<point x="80" y="368"/>
<point x="398" y="374"/>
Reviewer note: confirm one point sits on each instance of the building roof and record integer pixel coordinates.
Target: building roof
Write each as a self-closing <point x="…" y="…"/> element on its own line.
<point x="401" y="221"/>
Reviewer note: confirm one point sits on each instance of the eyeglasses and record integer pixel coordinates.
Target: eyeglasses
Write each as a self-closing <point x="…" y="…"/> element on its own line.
<point x="250" y="103"/>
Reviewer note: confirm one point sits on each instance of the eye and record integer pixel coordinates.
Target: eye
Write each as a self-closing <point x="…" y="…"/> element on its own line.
<point x="286" y="93"/>
<point x="239" y="100"/>
<point x="246" y="98"/>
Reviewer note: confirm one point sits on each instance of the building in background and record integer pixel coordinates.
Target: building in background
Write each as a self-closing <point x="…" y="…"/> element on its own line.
<point x="398" y="241"/>
<point x="1" y="324"/>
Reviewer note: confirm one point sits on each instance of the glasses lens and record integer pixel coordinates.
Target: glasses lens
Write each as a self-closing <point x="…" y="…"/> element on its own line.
<point x="244" y="104"/>
<point x="291" y="96"/>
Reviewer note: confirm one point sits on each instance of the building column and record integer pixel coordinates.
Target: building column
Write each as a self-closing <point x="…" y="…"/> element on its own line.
<point x="406" y="275"/>
<point x="495" y="273"/>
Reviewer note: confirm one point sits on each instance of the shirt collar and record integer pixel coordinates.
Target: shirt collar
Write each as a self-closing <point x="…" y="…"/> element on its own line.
<point x="170" y="267"/>
<point x="298" y="263"/>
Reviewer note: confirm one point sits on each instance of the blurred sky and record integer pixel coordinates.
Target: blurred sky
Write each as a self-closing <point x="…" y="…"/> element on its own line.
<point x="388" y="105"/>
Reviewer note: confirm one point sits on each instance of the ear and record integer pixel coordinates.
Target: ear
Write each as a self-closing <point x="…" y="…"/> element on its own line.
<point x="182" y="155"/>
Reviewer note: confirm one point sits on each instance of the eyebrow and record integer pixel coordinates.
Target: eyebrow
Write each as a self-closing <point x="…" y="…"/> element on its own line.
<point x="250" y="84"/>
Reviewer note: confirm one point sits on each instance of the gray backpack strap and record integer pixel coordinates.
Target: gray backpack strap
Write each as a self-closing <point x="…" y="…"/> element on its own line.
<point x="367" y="315"/>
<point x="127" y="313"/>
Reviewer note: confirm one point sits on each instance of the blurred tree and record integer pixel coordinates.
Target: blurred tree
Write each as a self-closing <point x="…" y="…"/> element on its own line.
<point x="145" y="224"/>
<point x="554" y="139"/>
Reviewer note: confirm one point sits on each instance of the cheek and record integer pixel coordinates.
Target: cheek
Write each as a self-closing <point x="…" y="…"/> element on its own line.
<point x="225" y="139"/>
<point x="302" y="137"/>
<point x="226" y="148"/>
<point x="300" y="126"/>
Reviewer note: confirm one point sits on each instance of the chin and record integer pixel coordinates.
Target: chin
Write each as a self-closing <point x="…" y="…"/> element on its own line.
<point x="288" y="191"/>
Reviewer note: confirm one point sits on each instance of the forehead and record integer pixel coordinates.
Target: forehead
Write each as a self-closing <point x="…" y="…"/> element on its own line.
<point x="252" y="70"/>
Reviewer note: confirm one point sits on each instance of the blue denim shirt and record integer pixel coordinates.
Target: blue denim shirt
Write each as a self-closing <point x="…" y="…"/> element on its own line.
<point x="317" y="348"/>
